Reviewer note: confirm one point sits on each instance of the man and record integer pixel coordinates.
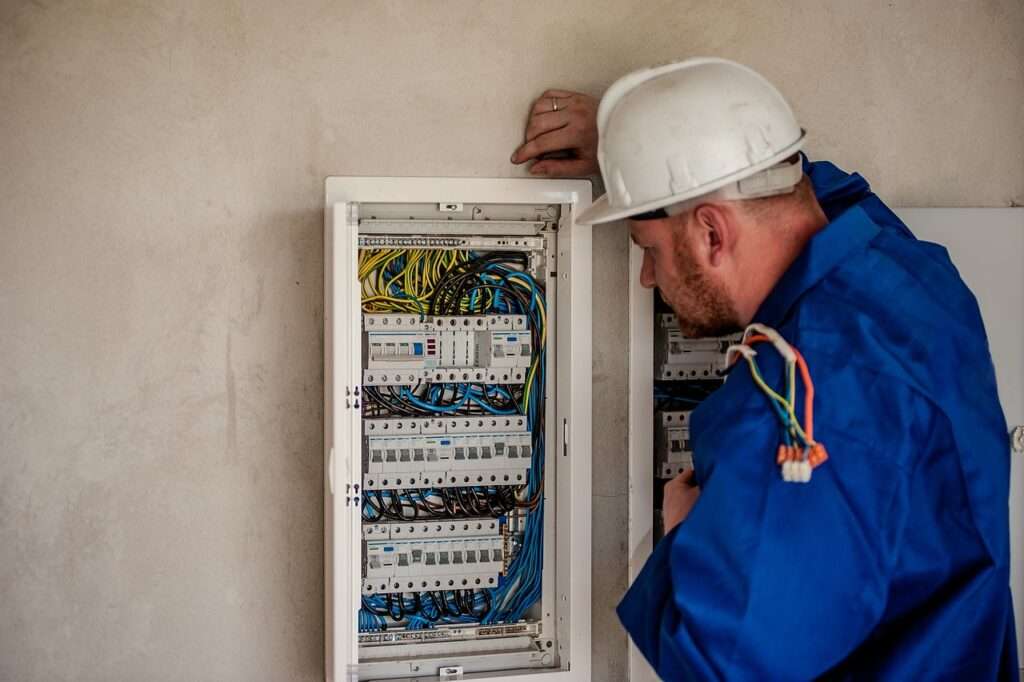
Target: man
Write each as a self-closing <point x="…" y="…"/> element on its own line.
<point x="892" y="561"/>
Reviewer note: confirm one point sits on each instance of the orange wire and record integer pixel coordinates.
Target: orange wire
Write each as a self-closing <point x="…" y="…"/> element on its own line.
<point x="805" y="374"/>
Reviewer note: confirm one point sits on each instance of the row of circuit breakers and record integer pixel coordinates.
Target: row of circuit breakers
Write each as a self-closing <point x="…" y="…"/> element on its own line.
<point x="402" y="349"/>
<point x="413" y="453"/>
<point x="680" y="364"/>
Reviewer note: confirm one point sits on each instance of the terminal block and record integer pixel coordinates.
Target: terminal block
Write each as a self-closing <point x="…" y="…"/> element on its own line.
<point x="439" y="528"/>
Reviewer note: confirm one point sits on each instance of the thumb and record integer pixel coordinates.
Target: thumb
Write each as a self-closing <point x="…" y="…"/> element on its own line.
<point x="686" y="479"/>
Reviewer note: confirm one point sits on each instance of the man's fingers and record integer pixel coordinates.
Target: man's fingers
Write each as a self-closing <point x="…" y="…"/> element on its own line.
<point x="548" y="142"/>
<point x="561" y="120"/>
<point x="546" y="122"/>
<point x="561" y="168"/>
<point x="547" y="103"/>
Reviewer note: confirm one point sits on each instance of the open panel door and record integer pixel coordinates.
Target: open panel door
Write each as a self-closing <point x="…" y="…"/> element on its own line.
<point x="342" y="437"/>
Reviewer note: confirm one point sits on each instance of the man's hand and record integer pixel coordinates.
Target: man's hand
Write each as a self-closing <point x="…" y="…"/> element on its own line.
<point x="681" y="494"/>
<point x="561" y="135"/>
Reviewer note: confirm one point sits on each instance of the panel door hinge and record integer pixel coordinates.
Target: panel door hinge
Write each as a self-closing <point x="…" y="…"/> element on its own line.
<point x="450" y="672"/>
<point x="1017" y="439"/>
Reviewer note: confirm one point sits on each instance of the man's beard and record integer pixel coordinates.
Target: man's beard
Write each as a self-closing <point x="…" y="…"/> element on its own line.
<point x="700" y="303"/>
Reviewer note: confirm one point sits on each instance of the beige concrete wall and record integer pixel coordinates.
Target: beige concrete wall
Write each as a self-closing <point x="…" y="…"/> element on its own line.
<point x="161" y="169"/>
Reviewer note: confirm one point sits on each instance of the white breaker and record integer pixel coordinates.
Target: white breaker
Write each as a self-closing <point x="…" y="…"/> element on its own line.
<point x="679" y="358"/>
<point x="401" y="349"/>
<point x="446" y="452"/>
<point x="420" y="556"/>
<point x="672" y="448"/>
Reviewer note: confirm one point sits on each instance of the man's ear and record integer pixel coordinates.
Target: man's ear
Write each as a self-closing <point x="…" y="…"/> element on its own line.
<point x="715" y="234"/>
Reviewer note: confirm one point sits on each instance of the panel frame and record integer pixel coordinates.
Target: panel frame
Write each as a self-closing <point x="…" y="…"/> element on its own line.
<point x="569" y="404"/>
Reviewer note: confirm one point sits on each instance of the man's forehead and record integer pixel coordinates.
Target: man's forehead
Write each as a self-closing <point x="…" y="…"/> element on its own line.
<point x="646" y="230"/>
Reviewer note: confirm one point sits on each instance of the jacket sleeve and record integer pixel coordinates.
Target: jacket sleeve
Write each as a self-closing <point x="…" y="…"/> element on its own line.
<point x="773" y="580"/>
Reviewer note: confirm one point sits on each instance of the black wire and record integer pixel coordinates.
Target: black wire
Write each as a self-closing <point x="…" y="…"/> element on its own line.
<point x="391" y="607"/>
<point x="460" y="601"/>
<point x="444" y="604"/>
<point x="472" y="611"/>
<point x="437" y="607"/>
<point x="427" y="509"/>
<point x="396" y="505"/>
<point x="425" y="612"/>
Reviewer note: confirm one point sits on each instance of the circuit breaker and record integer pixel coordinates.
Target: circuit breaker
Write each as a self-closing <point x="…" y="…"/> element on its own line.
<point x="672" y="451"/>
<point x="678" y="358"/>
<point x="457" y="440"/>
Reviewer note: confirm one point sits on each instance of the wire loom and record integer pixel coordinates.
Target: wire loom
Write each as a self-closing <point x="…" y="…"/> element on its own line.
<point x="798" y="453"/>
<point x="460" y="282"/>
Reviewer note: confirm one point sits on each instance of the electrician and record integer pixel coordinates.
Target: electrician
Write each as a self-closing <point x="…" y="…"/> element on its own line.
<point x="892" y="561"/>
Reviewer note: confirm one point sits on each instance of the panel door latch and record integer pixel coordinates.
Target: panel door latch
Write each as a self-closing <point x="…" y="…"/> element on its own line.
<point x="1017" y="439"/>
<point x="450" y="672"/>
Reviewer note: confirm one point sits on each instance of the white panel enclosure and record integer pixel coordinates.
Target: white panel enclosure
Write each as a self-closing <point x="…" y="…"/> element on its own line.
<point x="446" y="406"/>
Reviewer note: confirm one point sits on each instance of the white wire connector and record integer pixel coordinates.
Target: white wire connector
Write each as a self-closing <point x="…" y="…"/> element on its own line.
<point x="796" y="471"/>
<point x="737" y="349"/>
<point x="781" y="345"/>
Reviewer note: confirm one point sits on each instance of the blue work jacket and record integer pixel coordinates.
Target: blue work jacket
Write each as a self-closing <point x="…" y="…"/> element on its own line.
<point x="892" y="563"/>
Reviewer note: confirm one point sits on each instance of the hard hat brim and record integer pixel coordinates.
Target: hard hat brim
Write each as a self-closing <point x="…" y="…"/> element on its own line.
<point x="601" y="211"/>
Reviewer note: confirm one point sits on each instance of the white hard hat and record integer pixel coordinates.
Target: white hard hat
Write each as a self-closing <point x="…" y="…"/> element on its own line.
<point x="683" y="130"/>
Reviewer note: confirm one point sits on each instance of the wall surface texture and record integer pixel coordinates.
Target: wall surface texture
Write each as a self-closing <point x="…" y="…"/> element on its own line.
<point x="161" y="178"/>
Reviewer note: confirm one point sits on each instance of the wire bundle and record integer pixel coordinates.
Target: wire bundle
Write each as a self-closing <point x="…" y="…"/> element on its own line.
<point x="682" y="395"/>
<point x="425" y="400"/>
<point x="440" y="503"/>
<point x="460" y="282"/>
<point x="798" y="453"/>
<point x="421" y="610"/>
<point x="400" y="280"/>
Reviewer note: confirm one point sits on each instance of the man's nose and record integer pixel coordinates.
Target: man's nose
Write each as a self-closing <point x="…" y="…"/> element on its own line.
<point x="647" y="271"/>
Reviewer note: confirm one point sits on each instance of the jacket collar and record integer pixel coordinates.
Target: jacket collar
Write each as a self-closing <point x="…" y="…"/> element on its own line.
<point x="849" y="233"/>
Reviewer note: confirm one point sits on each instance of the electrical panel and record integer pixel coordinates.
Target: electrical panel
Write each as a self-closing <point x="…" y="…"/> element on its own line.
<point x="457" y="439"/>
<point x="685" y="371"/>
